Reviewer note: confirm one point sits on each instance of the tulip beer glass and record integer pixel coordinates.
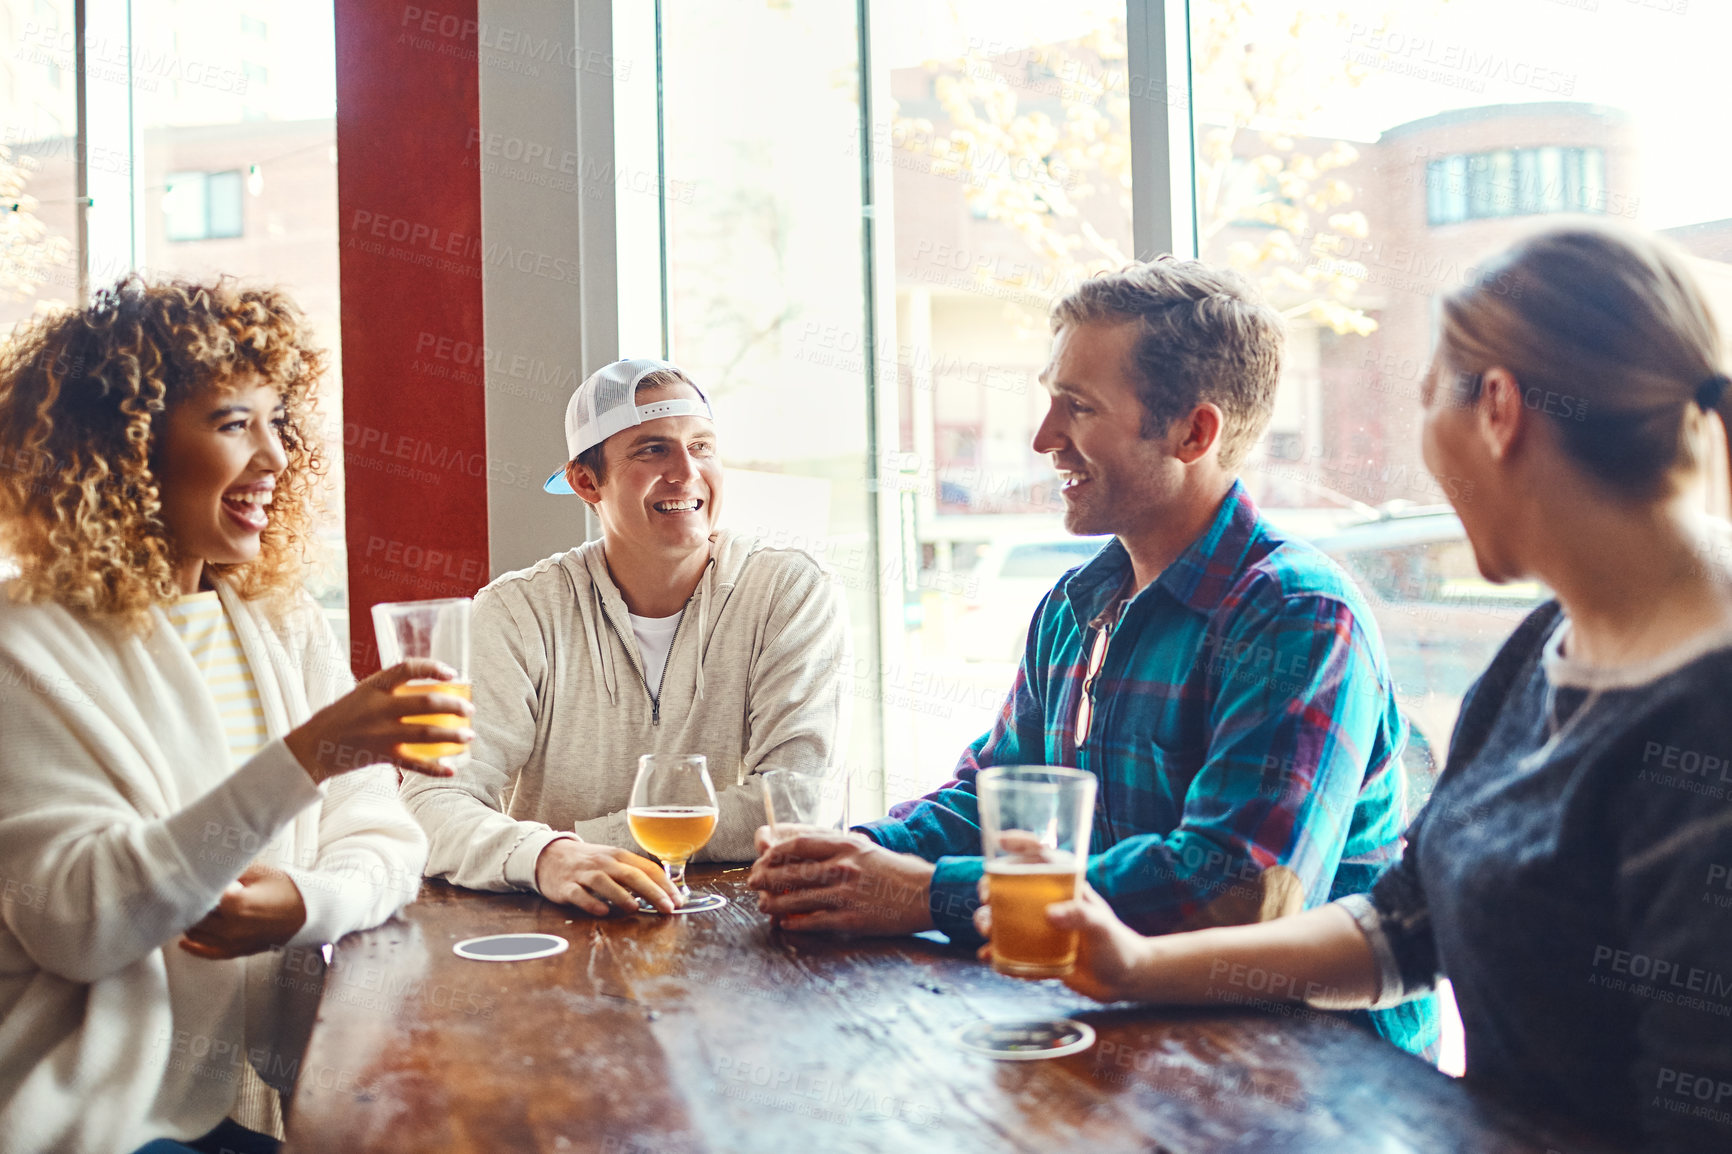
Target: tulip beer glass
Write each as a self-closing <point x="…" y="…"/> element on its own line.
<point x="672" y="815"/>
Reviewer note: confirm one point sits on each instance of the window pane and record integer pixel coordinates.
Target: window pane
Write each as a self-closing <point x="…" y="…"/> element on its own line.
<point x="1560" y="133"/>
<point x="38" y="144"/>
<point x="1551" y="180"/>
<point x="186" y="206"/>
<point x="1480" y="187"/>
<point x="1527" y="177"/>
<point x="236" y="113"/>
<point x="1457" y="189"/>
<point x="1010" y="161"/>
<point x="766" y="301"/>
<point x="1502" y="183"/>
<point x="1593" y="180"/>
<point x="223" y="203"/>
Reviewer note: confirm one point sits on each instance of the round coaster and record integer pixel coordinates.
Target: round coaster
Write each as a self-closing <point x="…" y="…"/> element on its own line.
<point x="1027" y="1039"/>
<point x="695" y="904"/>
<point x="698" y="903"/>
<point x="510" y="947"/>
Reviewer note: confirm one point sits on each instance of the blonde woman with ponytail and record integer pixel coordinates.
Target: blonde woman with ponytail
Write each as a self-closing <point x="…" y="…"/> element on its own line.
<point x="1572" y="874"/>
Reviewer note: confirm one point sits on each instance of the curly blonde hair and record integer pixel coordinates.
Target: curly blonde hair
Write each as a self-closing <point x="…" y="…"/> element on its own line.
<point x="83" y="396"/>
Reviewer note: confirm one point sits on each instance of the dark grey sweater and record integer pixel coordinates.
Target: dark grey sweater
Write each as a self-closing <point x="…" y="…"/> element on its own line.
<point x="1572" y="877"/>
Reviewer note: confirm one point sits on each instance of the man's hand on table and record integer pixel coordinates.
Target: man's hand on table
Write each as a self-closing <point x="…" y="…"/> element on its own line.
<point x="601" y="879"/>
<point x="258" y="911"/>
<point x="827" y="880"/>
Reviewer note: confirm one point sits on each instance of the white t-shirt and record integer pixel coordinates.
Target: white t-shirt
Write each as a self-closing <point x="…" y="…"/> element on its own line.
<point x="655" y="637"/>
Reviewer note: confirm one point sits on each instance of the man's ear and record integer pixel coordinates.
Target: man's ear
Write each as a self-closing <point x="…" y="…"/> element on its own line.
<point x="582" y="481"/>
<point x="1500" y="417"/>
<point x="1196" y="434"/>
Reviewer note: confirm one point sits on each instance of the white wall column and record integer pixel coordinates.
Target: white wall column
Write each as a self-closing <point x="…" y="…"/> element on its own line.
<point x="550" y="288"/>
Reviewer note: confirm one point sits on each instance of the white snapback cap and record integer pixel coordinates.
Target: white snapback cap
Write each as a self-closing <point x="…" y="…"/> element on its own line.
<point x="604" y="405"/>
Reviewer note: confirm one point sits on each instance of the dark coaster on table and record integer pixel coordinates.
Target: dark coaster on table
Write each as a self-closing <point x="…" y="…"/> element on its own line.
<point x="1026" y="1039"/>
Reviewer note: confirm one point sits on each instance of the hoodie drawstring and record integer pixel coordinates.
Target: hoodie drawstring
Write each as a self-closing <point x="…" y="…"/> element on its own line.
<point x="705" y="588"/>
<point x="600" y="657"/>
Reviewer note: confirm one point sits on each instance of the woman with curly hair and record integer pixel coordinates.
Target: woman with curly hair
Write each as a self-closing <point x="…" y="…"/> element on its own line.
<point x="190" y="805"/>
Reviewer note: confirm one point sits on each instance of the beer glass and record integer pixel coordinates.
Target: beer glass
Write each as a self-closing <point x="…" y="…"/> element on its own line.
<point x="1035" y="824"/>
<point x="436" y="629"/>
<point x="672" y="814"/>
<point x="796" y="797"/>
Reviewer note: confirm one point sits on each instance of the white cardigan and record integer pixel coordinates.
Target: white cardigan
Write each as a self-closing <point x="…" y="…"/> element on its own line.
<point x="121" y="821"/>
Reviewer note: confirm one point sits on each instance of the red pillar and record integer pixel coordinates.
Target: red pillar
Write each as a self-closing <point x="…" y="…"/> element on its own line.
<point x="409" y="204"/>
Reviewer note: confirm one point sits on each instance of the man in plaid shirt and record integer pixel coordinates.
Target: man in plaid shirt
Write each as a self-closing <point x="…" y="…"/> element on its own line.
<point x="1226" y="685"/>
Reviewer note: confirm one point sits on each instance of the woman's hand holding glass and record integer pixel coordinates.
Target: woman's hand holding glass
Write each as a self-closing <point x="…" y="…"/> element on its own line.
<point x="1114" y="963"/>
<point x="368" y="725"/>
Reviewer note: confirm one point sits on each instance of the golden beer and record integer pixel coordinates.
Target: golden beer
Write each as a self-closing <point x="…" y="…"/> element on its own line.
<point x="1023" y="942"/>
<point x="434" y="750"/>
<point x="672" y="833"/>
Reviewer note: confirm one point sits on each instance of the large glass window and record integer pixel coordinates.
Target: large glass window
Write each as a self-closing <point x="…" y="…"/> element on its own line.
<point x="1454" y="128"/>
<point x="759" y="237"/>
<point x="212" y="151"/>
<point x="1006" y="138"/>
<point x="1443" y="146"/>
<point x="38" y="150"/>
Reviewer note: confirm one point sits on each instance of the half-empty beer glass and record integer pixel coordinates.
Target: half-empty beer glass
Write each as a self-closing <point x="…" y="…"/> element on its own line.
<point x="795" y="797"/>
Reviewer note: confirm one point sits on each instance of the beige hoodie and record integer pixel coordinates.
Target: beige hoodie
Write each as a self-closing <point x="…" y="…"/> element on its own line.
<point x="754" y="681"/>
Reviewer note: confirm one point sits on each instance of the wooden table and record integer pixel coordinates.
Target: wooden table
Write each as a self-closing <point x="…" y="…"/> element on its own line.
<point x="714" y="1032"/>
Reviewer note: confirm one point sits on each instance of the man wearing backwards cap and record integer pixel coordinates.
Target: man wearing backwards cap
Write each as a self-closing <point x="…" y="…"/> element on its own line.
<point x="666" y="635"/>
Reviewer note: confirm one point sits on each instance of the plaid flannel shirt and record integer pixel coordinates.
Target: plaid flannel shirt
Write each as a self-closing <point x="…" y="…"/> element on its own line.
<point x="1244" y="719"/>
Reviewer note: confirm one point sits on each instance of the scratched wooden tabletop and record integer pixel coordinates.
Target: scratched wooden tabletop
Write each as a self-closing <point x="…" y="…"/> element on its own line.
<point x="716" y="1032"/>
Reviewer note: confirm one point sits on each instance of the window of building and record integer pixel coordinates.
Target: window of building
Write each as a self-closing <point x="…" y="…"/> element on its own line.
<point x="203" y="205"/>
<point x="1515" y="182"/>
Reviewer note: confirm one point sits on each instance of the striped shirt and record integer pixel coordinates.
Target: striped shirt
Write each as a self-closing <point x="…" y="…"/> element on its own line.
<point x="1245" y="738"/>
<point x="210" y="637"/>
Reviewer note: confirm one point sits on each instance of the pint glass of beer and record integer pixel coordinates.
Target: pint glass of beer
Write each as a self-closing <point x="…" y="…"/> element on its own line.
<point x="1035" y="822"/>
<point x="436" y="629"/>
